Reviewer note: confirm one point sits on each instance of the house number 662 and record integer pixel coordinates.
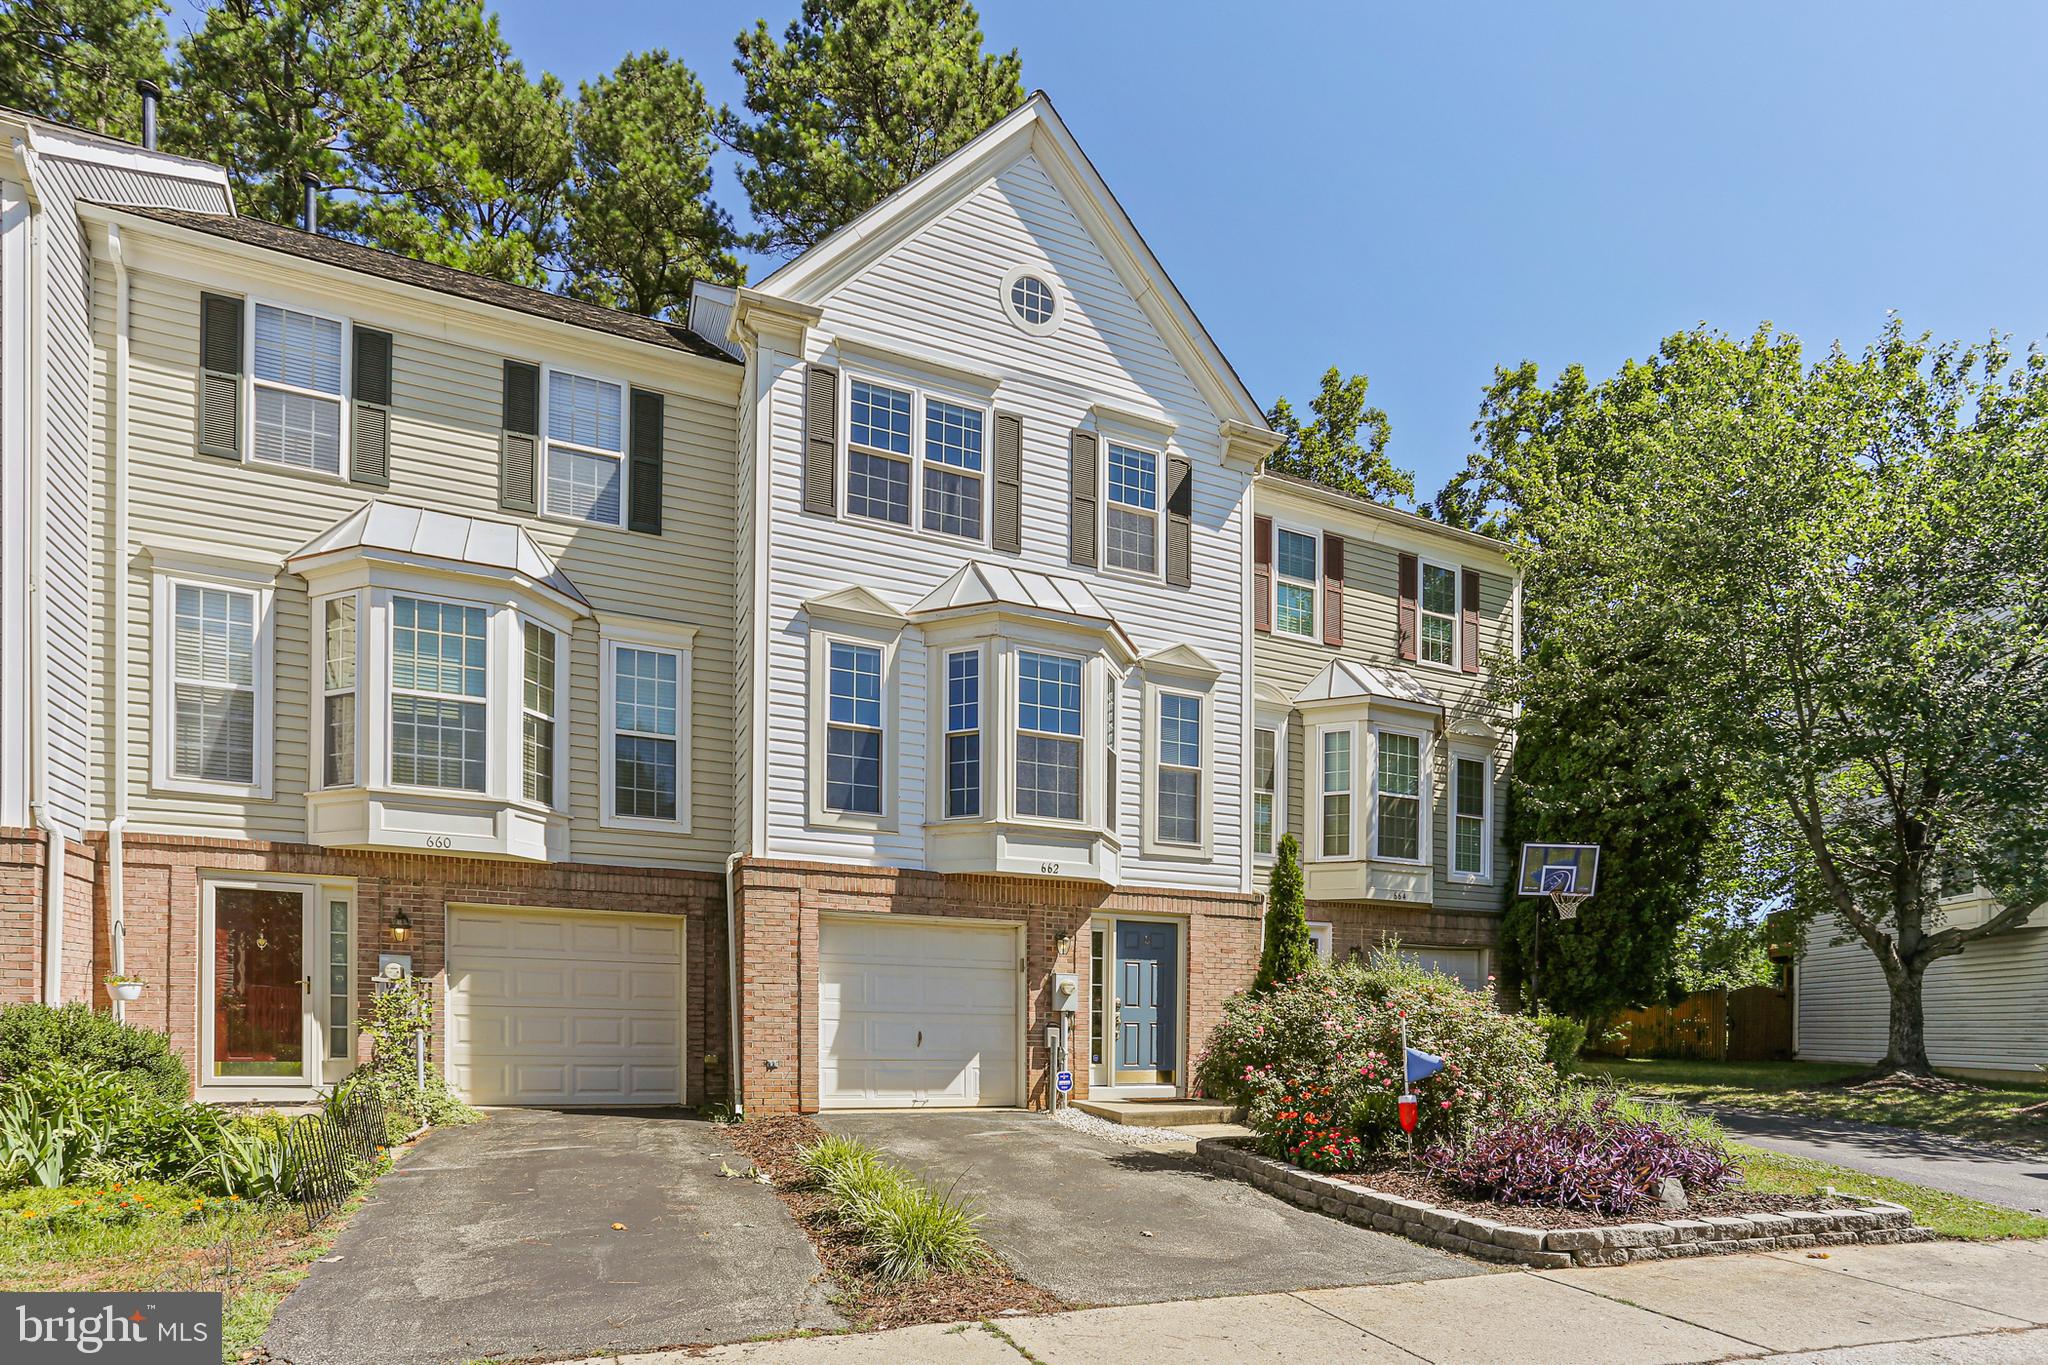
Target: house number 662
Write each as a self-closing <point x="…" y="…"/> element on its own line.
<point x="1049" y="869"/>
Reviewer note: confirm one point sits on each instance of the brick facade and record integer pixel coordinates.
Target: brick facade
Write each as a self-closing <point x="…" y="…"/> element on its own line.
<point x="777" y="913"/>
<point x="22" y="852"/>
<point x="1358" y="928"/>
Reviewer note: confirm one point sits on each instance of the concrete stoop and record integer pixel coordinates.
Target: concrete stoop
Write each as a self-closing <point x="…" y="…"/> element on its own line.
<point x="1181" y="1114"/>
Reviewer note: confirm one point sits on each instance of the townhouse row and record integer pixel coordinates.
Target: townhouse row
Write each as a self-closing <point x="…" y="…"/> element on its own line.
<point x="885" y="689"/>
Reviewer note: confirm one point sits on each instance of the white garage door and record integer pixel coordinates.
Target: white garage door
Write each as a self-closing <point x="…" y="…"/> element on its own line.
<point x="1468" y="965"/>
<point x="550" y="1007"/>
<point x="916" y="1013"/>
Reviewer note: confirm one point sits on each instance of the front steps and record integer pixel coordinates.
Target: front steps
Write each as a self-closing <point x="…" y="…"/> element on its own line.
<point x="1181" y="1114"/>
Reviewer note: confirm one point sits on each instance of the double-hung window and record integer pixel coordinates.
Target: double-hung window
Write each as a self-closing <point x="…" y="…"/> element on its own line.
<point x="1132" y="542"/>
<point x="1265" y="789"/>
<point x="338" y="693"/>
<point x="963" y="734"/>
<point x="296" y="381"/>
<point x="646" y="724"/>
<point x="215" y="685"/>
<point x="953" y="468"/>
<point x="853" y="731"/>
<point x="586" y="449"/>
<point x="1439" y="614"/>
<point x="1470" y="801"/>
<point x="1336" y="793"/>
<point x="537" y="719"/>
<point x="1048" y="736"/>
<point x="1294" y="582"/>
<point x="1179" y="808"/>
<point x="878" y="453"/>
<point x="439" y="682"/>
<point x="1397" y="793"/>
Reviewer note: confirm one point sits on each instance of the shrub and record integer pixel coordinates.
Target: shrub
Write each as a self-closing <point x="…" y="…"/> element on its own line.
<point x="1335" y="1037"/>
<point x="1288" y="952"/>
<point x="75" y="1033"/>
<point x="400" y="1012"/>
<point x="1563" y="1039"/>
<point x="61" y="1124"/>
<point x="914" y="1232"/>
<point x="1587" y="1151"/>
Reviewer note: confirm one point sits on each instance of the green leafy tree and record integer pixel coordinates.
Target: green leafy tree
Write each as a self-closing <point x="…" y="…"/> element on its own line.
<point x="77" y="61"/>
<point x="641" y="224"/>
<point x="427" y="133"/>
<point x="1288" y="952"/>
<point x="1343" y="446"/>
<point x="858" y="99"/>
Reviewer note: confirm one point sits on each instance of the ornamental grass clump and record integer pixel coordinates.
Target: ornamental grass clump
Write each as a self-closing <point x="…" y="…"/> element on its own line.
<point x="910" y="1230"/>
<point x="1591" y="1152"/>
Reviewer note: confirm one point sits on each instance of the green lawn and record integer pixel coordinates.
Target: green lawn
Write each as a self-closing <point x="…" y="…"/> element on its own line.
<point x="1982" y="1112"/>
<point x="1950" y="1215"/>
<point x="162" y="1238"/>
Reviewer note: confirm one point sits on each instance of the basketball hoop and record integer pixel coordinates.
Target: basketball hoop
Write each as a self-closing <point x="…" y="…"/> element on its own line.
<point x="1567" y="874"/>
<point x="1567" y="903"/>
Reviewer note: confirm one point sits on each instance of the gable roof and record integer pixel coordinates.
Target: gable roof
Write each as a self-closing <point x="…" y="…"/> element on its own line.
<point x="441" y="279"/>
<point x="1034" y="125"/>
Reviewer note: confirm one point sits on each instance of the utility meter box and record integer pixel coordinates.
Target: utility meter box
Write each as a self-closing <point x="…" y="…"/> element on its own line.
<point x="1066" y="991"/>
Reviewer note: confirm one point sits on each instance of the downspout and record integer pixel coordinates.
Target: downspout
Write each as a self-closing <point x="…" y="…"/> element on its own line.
<point x="732" y="990"/>
<point x="117" y="647"/>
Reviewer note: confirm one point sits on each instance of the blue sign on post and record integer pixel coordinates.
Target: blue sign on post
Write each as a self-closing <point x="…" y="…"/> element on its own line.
<point x="1063" y="1082"/>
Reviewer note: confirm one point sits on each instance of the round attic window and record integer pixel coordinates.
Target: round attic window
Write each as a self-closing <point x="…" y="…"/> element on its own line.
<point x="1031" y="300"/>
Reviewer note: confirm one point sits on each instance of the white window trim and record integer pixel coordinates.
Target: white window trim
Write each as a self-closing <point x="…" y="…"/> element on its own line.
<point x="316" y="777"/>
<point x="1313" y="797"/>
<point x="345" y="399"/>
<point x="1150" y="844"/>
<point x="1484" y="876"/>
<point x="622" y="455"/>
<point x="163" y="729"/>
<point x="823" y="635"/>
<point x="1424" y="761"/>
<point x="1059" y="300"/>
<point x="942" y="719"/>
<point x="611" y="642"/>
<point x="1457" y="617"/>
<point x="1113" y="732"/>
<point x="1087" y="742"/>
<point x="501" y="771"/>
<point x="1105" y="502"/>
<point x="1324" y="932"/>
<point x="1314" y="585"/>
<point x="1278" y="725"/>
<point x="563" y="644"/>
<point x="921" y="392"/>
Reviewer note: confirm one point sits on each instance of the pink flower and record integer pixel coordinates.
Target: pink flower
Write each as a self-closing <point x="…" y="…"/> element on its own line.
<point x="1446" y="1103"/>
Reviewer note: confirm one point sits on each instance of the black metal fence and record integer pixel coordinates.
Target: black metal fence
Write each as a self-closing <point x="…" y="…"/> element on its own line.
<point x="330" y="1153"/>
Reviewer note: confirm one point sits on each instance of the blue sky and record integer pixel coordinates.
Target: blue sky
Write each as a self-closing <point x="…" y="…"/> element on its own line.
<point x="1423" y="192"/>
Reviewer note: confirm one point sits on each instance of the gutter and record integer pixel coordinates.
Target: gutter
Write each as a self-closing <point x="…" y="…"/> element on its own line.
<point x="117" y="646"/>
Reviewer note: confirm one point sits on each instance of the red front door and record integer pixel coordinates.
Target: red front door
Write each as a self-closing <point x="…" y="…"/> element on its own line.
<point x="259" y="974"/>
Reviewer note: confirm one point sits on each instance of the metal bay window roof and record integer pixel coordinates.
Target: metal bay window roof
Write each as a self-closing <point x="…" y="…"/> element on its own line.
<point x="405" y="534"/>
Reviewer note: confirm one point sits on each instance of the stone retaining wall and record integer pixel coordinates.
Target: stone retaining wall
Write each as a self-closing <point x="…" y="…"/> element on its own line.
<point x="1869" y="1221"/>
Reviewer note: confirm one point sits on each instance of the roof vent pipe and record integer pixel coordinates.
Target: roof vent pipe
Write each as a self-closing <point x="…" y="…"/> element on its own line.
<point x="310" y="220"/>
<point x="150" y="95"/>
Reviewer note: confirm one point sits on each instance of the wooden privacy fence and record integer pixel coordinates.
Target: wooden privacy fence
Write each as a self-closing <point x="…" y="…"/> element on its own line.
<point x="1750" y="1025"/>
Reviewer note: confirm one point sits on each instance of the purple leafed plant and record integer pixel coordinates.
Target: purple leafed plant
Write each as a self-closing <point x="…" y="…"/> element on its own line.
<point x="1592" y="1156"/>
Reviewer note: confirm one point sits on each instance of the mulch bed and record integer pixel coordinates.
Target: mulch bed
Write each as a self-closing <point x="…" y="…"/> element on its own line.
<point x="1392" y="1175"/>
<point x="869" y="1303"/>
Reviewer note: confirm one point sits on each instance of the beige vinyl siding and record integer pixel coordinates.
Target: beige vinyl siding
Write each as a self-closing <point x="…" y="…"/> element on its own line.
<point x="444" y="455"/>
<point x="1371" y="635"/>
<point x="1986" y="1007"/>
<point x="743" y="644"/>
<point x="938" y="293"/>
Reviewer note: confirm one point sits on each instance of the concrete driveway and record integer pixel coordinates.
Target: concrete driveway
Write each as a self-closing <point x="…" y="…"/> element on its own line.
<point x="496" y="1240"/>
<point x="1097" y="1222"/>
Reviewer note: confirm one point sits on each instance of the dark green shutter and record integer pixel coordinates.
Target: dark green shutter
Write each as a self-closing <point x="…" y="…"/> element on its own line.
<point x="519" y="460"/>
<point x="369" y="460"/>
<point x="643" y="443"/>
<point x="1081" y="479"/>
<point x="1180" y="519"/>
<point x="1006" y="532"/>
<point x="821" y="440"/>
<point x="220" y="376"/>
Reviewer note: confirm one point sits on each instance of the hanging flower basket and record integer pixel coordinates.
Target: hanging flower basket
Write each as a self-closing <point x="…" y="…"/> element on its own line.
<point x="125" y="988"/>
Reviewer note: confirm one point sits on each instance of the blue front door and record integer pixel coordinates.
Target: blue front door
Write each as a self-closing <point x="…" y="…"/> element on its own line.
<point x="1148" y="1012"/>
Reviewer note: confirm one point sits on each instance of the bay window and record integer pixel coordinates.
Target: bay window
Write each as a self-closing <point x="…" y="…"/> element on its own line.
<point x="338" y="693"/>
<point x="1132" y="539"/>
<point x="586" y="449"/>
<point x="963" y="734"/>
<point x="1048" y="736"/>
<point x="1439" y="614"/>
<point x="439" y="682"/>
<point x="537" y="728"/>
<point x="1294" y="582"/>
<point x="853" y="734"/>
<point x="1397" y="796"/>
<point x="1336" y="793"/>
<point x="1265" y="790"/>
<point x="295" y="379"/>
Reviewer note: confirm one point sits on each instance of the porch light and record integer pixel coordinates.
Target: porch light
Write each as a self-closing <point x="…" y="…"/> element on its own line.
<point x="401" y="927"/>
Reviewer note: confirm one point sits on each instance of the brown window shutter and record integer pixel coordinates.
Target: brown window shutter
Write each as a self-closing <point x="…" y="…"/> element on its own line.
<point x="1409" y="576"/>
<point x="369" y="455"/>
<point x="1468" y="620"/>
<point x="1262" y="574"/>
<point x="519" y="457"/>
<point x="1333" y="588"/>
<point x="1006" y="530"/>
<point x="644" y="448"/>
<point x="821" y="440"/>
<point x="1081" y="473"/>
<point x="1180" y="520"/>
<point x="220" y="376"/>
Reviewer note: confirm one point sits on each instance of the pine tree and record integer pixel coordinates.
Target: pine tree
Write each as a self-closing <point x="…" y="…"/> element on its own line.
<point x="77" y="61"/>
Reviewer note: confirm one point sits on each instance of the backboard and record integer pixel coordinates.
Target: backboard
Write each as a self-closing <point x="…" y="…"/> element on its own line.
<point x="1570" y="868"/>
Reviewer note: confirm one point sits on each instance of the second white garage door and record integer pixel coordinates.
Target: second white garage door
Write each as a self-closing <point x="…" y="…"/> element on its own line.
<point x="551" y="1007"/>
<point x="916" y="1013"/>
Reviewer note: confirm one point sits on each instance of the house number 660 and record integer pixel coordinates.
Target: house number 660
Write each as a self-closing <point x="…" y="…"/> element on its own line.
<point x="440" y="841"/>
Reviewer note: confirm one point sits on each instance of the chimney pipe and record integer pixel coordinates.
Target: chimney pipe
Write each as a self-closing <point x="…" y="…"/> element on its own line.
<point x="310" y="220"/>
<point x="150" y="95"/>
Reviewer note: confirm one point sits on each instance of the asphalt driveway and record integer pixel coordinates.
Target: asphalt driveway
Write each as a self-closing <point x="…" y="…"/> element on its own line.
<point x="1100" y="1223"/>
<point x="496" y="1240"/>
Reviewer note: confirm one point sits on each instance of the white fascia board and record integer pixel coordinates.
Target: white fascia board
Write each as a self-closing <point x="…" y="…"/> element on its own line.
<point x="1360" y="520"/>
<point x="52" y="142"/>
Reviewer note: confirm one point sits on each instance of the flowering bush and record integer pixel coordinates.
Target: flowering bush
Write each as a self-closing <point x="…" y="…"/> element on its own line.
<point x="1327" y="1045"/>
<point x="1590" y="1152"/>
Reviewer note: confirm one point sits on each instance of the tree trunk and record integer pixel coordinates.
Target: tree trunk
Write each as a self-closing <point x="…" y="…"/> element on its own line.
<point x="1907" y="1050"/>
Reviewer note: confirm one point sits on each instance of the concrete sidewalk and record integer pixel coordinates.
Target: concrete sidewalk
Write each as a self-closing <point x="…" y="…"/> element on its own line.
<point x="1941" y="1303"/>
